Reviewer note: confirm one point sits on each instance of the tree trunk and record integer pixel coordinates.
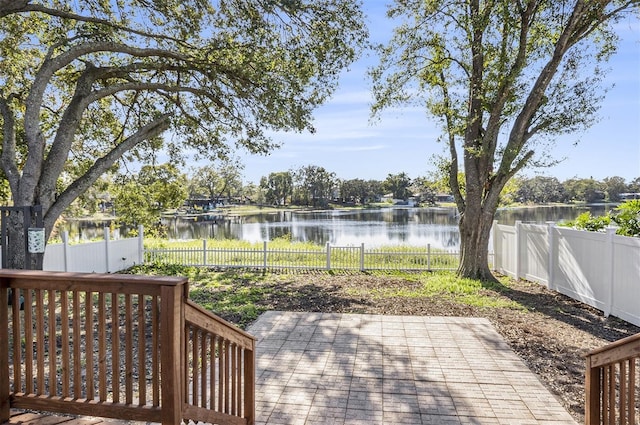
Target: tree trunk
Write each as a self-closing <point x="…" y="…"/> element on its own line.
<point x="475" y="230"/>
<point x="16" y="249"/>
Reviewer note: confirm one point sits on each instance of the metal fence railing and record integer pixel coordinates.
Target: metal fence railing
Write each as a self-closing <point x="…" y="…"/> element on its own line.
<point x="323" y="258"/>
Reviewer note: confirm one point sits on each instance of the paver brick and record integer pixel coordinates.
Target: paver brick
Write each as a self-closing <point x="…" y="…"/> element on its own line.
<point x="351" y="369"/>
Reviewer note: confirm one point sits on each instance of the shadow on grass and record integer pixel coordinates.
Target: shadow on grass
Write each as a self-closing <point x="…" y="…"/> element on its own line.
<point x="570" y="311"/>
<point x="240" y="297"/>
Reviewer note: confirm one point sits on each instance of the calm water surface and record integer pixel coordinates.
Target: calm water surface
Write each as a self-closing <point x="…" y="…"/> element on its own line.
<point x="373" y="227"/>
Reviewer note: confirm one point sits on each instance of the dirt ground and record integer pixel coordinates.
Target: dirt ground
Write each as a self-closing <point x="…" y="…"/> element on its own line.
<point x="552" y="333"/>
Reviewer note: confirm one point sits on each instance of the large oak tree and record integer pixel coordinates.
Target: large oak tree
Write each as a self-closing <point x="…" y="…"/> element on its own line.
<point x="84" y="84"/>
<point x="503" y="77"/>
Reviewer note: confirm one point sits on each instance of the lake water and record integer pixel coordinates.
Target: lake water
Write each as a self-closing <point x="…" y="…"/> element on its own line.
<point x="373" y="227"/>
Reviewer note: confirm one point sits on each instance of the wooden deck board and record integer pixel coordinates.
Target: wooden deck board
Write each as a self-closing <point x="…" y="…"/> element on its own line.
<point x="19" y="417"/>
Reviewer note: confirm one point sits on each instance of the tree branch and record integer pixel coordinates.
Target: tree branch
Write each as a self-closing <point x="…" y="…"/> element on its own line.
<point x="101" y="165"/>
<point x="8" y="158"/>
<point x="10" y="7"/>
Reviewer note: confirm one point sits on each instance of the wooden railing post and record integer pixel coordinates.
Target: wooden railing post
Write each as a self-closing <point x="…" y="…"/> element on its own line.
<point x="250" y="385"/>
<point x="593" y="388"/>
<point x="611" y="381"/>
<point x="4" y="355"/>
<point x="171" y="353"/>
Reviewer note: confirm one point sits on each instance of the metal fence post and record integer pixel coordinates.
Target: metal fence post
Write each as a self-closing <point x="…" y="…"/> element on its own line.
<point x="204" y="252"/>
<point x="264" y="255"/>
<point x="429" y="256"/>
<point x="328" y="256"/>
<point x="362" y="257"/>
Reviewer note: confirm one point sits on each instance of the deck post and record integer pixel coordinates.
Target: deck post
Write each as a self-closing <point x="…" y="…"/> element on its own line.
<point x="593" y="382"/>
<point x="250" y="385"/>
<point x="171" y="347"/>
<point x="5" y="408"/>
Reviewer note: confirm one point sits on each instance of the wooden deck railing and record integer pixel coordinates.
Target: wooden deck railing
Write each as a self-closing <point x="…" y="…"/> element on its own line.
<point x="120" y="346"/>
<point x="613" y="384"/>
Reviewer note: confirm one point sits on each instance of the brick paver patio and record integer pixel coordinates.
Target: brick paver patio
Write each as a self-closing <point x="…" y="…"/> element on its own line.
<point x="323" y="368"/>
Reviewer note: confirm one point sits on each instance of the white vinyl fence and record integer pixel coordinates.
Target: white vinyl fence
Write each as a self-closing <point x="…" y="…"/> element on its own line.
<point x="599" y="269"/>
<point x="104" y="256"/>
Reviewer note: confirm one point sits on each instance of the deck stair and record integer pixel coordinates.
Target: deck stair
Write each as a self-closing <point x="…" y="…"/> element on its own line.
<point x="612" y="393"/>
<point x="120" y="346"/>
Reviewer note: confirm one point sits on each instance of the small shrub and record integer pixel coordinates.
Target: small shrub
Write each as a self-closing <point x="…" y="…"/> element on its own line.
<point x="586" y="221"/>
<point x="627" y="217"/>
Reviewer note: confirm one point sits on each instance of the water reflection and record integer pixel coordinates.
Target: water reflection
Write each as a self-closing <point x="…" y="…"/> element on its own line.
<point x="379" y="227"/>
<point x="373" y="227"/>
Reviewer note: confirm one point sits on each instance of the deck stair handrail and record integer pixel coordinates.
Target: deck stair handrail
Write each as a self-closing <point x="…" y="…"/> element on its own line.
<point x="120" y="346"/>
<point x="612" y="383"/>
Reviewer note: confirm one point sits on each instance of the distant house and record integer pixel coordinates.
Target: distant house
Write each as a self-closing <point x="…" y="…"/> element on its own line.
<point x="444" y="197"/>
<point x="629" y="196"/>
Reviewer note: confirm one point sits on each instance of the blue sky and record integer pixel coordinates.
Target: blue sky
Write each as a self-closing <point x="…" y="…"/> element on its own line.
<point x="348" y="144"/>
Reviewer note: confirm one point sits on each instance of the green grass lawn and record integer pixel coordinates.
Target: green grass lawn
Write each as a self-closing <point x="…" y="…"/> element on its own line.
<point x="241" y="296"/>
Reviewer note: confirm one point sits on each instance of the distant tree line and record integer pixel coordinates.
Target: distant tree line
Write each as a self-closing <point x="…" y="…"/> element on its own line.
<point x="140" y="198"/>
<point x="543" y="190"/>
<point x="164" y="186"/>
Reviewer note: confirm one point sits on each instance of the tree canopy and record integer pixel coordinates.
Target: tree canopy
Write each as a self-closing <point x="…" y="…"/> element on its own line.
<point x="90" y="83"/>
<point x="503" y="77"/>
<point x="215" y="182"/>
<point x="142" y="198"/>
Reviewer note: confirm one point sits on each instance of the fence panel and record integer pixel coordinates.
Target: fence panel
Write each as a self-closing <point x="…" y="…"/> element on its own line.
<point x="249" y="257"/>
<point x="54" y="258"/>
<point x="123" y="253"/>
<point x="534" y="261"/>
<point x="579" y="271"/>
<point x="345" y="257"/>
<point x="88" y="257"/>
<point x="410" y="260"/>
<point x="626" y="278"/>
<point x="93" y="257"/>
<point x="505" y="249"/>
<point x="295" y="258"/>
<point x="599" y="269"/>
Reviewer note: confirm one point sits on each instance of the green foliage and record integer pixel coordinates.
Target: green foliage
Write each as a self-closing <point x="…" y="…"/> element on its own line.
<point x="313" y="186"/>
<point x="614" y="186"/>
<point x="586" y="221"/>
<point x="541" y="190"/>
<point x="215" y="182"/>
<point x="627" y="217"/>
<point x="142" y="198"/>
<point x="584" y="190"/>
<point x="159" y="269"/>
<point x="397" y="185"/>
<point x="278" y="187"/>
